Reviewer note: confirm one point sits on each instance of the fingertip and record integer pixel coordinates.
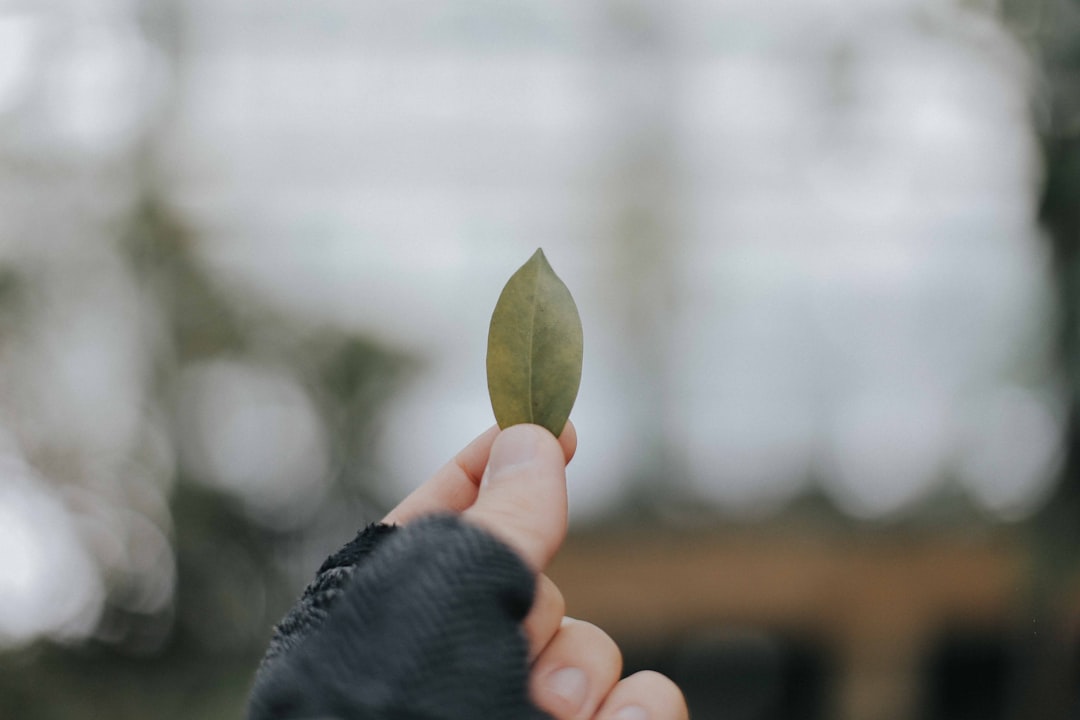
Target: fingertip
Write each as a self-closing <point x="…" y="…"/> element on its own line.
<point x="645" y="694"/>
<point x="472" y="459"/>
<point x="524" y="445"/>
<point x="453" y="488"/>
<point x="580" y="651"/>
<point x="568" y="440"/>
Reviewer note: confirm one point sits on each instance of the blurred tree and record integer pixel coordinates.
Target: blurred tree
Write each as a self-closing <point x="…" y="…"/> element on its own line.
<point x="1051" y="31"/>
<point x="236" y="574"/>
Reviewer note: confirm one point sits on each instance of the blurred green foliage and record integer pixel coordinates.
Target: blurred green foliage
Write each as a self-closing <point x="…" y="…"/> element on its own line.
<point x="235" y="575"/>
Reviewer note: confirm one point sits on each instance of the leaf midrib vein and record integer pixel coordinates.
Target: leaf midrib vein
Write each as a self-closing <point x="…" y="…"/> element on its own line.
<point x="532" y="333"/>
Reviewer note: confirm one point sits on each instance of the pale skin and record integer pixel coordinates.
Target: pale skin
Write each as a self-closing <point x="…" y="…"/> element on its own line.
<point x="513" y="484"/>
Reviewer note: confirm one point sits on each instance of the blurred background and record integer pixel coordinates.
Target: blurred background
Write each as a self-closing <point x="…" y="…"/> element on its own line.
<point x="826" y="257"/>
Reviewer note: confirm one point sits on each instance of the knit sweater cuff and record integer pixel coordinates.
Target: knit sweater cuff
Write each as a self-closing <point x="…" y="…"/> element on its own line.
<point x="422" y="621"/>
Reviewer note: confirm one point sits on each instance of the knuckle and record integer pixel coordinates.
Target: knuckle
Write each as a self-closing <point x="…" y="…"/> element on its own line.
<point x="554" y="597"/>
<point x="543" y="621"/>
<point x="600" y="642"/>
<point x="662" y="688"/>
<point x="512" y="519"/>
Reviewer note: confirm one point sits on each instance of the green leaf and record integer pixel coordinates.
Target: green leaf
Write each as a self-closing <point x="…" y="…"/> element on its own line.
<point x="534" y="349"/>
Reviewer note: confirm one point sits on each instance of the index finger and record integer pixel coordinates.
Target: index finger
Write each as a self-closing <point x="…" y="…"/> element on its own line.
<point x="455" y="486"/>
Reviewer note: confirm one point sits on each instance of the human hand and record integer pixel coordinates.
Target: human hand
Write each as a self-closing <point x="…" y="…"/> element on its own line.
<point x="513" y="484"/>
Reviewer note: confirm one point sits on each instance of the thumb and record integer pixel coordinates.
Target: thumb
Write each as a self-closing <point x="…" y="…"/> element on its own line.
<point x="522" y="497"/>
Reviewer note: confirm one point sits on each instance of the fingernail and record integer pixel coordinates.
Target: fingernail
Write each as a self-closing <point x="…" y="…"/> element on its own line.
<point x="568" y="684"/>
<point x="515" y="446"/>
<point x="631" y="712"/>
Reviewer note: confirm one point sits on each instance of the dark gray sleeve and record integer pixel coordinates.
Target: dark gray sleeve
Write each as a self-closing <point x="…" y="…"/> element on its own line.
<point x="419" y="622"/>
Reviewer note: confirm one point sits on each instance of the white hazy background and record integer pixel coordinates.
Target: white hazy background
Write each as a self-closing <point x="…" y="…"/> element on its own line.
<point x="802" y="238"/>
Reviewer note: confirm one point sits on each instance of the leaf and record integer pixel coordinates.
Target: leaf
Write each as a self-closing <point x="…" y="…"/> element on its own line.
<point x="534" y="349"/>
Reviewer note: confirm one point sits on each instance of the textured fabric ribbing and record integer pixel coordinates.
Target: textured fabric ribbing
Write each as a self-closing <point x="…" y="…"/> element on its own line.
<point x="320" y="595"/>
<point x="421" y="622"/>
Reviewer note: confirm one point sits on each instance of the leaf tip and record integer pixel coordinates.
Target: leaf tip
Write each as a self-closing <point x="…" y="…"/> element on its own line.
<point x="541" y="258"/>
